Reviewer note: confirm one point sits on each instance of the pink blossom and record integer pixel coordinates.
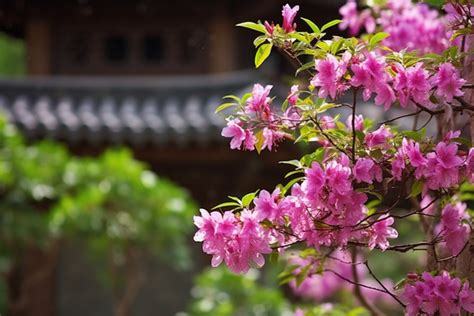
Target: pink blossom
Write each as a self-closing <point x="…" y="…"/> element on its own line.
<point x="446" y="155"/>
<point x="289" y="15"/>
<point x="236" y="132"/>
<point x="315" y="180"/>
<point x="353" y="20"/>
<point x="270" y="138"/>
<point x="266" y="205"/>
<point x="236" y="241"/>
<point x="337" y="177"/>
<point x="412" y="83"/>
<point x="384" y="96"/>
<point x="441" y="293"/>
<point x="466" y="298"/>
<point x="365" y="170"/>
<point x="381" y="231"/>
<point x="398" y="164"/>
<point x="293" y="96"/>
<point x="270" y="28"/>
<point x="330" y="73"/>
<point x="448" y="82"/>
<point x="454" y="231"/>
<point x="259" y="100"/>
<point x="405" y="21"/>
<point x="371" y="75"/>
<point x="250" y="140"/>
<point x="412" y="151"/>
<point x="378" y="138"/>
<point x="359" y="122"/>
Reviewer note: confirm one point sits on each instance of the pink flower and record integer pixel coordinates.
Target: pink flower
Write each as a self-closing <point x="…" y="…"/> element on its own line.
<point x="441" y="293"/>
<point x="353" y="20"/>
<point x="250" y="140"/>
<point x="289" y="15"/>
<point x="266" y="205"/>
<point x="365" y="170"/>
<point x="466" y="298"/>
<point x="412" y="151"/>
<point x="378" y="137"/>
<point x="337" y="177"/>
<point x="270" y="138"/>
<point x="448" y="82"/>
<point x="412" y="83"/>
<point x="330" y="73"/>
<point x="315" y="179"/>
<point x="236" y="132"/>
<point x="269" y="27"/>
<point x="446" y="155"/>
<point x="359" y="122"/>
<point x="381" y="231"/>
<point x="259" y="101"/>
<point x="398" y="164"/>
<point x="236" y="241"/>
<point x="384" y="96"/>
<point x="454" y="231"/>
<point x="293" y="96"/>
<point x="371" y="75"/>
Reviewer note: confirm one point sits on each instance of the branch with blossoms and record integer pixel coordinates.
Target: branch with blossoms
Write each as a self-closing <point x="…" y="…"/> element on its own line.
<point x="327" y="205"/>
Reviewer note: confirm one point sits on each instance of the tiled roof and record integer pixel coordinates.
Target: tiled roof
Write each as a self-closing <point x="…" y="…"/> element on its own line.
<point x="134" y="111"/>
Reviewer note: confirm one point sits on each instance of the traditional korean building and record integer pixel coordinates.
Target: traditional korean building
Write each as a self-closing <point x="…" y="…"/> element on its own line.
<point x="146" y="74"/>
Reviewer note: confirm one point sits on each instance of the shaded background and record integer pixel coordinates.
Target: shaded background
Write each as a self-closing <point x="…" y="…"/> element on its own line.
<point x="146" y="75"/>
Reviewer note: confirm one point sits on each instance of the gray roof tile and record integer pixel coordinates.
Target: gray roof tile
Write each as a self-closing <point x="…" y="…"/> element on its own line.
<point x="137" y="111"/>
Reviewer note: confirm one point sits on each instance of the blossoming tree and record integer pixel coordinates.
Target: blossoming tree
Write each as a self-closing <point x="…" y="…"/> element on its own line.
<point x="345" y="198"/>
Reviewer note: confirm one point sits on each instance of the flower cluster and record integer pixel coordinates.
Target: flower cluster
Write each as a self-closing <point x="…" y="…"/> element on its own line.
<point x="320" y="286"/>
<point x="342" y="194"/>
<point x="454" y="227"/>
<point x="441" y="168"/>
<point x="237" y="241"/>
<point x="404" y="21"/>
<point x="441" y="293"/>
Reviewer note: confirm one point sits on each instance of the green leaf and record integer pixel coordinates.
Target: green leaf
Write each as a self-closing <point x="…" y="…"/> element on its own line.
<point x="253" y="26"/>
<point x="325" y="107"/>
<point x="416" y="188"/>
<point x="224" y="106"/>
<point x="290" y="184"/>
<point x="226" y="204"/>
<point x="436" y="3"/>
<point x="262" y="53"/>
<point x="260" y="140"/>
<point x="248" y="198"/>
<point x="377" y="38"/>
<point x="312" y="25"/>
<point x="291" y="173"/>
<point x="233" y="97"/>
<point x="306" y="66"/>
<point x="259" y="40"/>
<point x="294" y="162"/>
<point x="462" y="140"/>
<point x="330" y="24"/>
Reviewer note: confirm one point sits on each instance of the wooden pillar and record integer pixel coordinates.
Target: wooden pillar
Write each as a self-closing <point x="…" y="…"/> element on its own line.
<point x="38" y="47"/>
<point x="222" y="52"/>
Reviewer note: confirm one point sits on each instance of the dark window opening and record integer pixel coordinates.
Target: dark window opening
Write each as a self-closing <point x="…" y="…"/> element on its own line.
<point x="116" y="48"/>
<point x="153" y="48"/>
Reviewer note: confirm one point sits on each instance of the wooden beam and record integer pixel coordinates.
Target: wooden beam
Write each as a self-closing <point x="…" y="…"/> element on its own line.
<point x="38" y="47"/>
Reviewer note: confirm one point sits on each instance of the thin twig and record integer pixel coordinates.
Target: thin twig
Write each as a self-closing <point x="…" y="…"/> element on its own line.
<point x="383" y="285"/>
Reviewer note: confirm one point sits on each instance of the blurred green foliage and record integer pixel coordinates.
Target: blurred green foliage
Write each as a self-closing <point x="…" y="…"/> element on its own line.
<point x="219" y="292"/>
<point x="112" y="204"/>
<point x="13" y="56"/>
